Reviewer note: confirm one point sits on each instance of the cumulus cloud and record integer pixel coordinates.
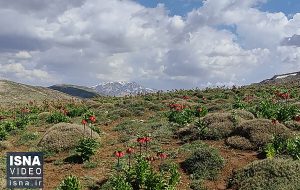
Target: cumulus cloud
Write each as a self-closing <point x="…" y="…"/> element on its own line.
<point x="86" y="42"/>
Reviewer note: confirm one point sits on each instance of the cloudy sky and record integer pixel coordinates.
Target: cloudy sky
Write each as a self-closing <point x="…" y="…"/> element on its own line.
<point x="159" y="44"/>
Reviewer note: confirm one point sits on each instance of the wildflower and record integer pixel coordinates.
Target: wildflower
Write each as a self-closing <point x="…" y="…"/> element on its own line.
<point x="129" y="151"/>
<point x="274" y="121"/>
<point x="185" y="97"/>
<point x="119" y="154"/>
<point x="92" y="119"/>
<point x="297" y="118"/>
<point x="162" y="155"/>
<point x="141" y="140"/>
<point x="83" y="122"/>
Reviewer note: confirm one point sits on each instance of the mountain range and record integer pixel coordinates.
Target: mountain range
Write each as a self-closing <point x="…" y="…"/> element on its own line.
<point x="12" y="92"/>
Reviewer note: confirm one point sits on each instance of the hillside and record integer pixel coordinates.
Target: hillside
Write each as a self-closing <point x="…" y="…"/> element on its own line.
<point x="214" y="139"/>
<point x="293" y="77"/>
<point x="12" y="92"/>
<point x="75" y="90"/>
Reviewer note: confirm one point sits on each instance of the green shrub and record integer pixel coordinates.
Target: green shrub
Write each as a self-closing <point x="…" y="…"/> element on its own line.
<point x="275" y="174"/>
<point x="280" y="111"/>
<point x="27" y="137"/>
<point x="181" y="117"/>
<point x="75" y="110"/>
<point x="142" y="176"/>
<point x="3" y="133"/>
<point x="86" y="148"/>
<point x="70" y="183"/>
<point x="9" y="126"/>
<point x="204" y="163"/>
<point x="239" y="104"/>
<point x="57" y="117"/>
<point x="281" y="146"/>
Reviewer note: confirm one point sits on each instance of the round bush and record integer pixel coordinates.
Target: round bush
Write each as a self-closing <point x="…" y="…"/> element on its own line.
<point x="217" y="118"/>
<point x="204" y="163"/>
<point x="293" y="125"/>
<point x="275" y="174"/>
<point x="244" y="114"/>
<point x="218" y="130"/>
<point x="44" y="115"/>
<point x="239" y="142"/>
<point x="64" y="136"/>
<point x="261" y="131"/>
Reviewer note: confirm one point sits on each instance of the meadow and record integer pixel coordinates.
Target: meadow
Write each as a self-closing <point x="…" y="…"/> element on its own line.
<point x="215" y="138"/>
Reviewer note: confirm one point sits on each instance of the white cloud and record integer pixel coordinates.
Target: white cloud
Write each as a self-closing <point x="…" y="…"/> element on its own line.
<point x="23" y="55"/>
<point x="87" y="41"/>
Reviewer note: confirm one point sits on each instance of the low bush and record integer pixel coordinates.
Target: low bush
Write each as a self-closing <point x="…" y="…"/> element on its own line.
<point x="181" y="117"/>
<point x="275" y="174"/>
<point x="57" y="117"/>
<point x="3" y="133"/>
<point x="261" y="131"/>
<point x="70" y="183"/>
<point x="239" y="142"/>
<point x="142" y="176"/>
<point x="64" y="136"/>
<point x="204" y="163"/>
<point x="86" y="148"/>
<point x="293" y="125"/>
<point x="76" y="110"/>
<point x="281" y="146"/>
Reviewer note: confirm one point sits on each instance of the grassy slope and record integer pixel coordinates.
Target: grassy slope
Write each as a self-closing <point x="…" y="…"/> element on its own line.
<point x="122" y="120"/>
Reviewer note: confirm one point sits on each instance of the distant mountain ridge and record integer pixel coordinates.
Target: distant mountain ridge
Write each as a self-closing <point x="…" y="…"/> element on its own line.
<point x="283" y="78"/>
<point x="75" y="90"/>
<point x="121" y="88"/>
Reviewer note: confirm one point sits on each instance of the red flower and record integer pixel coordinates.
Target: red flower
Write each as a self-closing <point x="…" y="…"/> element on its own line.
<point x="186" y="97"/>
<point x="83" y="122"/>
<point x="65" y="112"/>
<point x="141" y="140"/>
<point x="274" y="121"/>
<point x="150" y="158"/>
<point x="25" y="110"/>
<point x="284" y="95"/>
<point x="297" y="118"/>
<point x="130" y="151"/>
<point x="92" y="119"/>
<point x="147" y="139"/>
<point x="162" y="155"/>
<point x="119" y="154"/>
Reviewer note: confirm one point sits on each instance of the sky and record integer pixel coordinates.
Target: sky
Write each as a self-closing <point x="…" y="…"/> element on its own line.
<point x="158" y="44"/>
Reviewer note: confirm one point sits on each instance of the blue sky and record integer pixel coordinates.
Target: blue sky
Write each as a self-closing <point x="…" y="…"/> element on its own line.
<point x="182" y="7"/>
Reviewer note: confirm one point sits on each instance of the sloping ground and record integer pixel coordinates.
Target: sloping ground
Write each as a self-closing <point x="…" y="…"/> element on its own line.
<point x="74" y="90"/>
<point x="16" y="93"/>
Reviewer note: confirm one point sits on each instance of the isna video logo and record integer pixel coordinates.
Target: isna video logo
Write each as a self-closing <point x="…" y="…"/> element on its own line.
<point x="24" y="169"/>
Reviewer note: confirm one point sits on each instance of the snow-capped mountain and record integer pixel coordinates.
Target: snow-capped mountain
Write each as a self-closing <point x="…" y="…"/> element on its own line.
<point x="283" y="78"/>
<point x="121" y="88"/>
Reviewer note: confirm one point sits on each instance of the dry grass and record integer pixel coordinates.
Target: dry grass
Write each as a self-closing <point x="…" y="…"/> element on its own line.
<point x="64" y="136"/>
<point x="4" y="145"/>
